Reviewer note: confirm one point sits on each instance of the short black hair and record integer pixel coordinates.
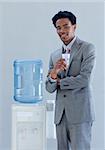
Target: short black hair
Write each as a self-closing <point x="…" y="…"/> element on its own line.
<point x="64" y="14"/>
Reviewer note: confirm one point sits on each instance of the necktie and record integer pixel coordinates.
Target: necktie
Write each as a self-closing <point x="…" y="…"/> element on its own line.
<point x="68" y="50"/>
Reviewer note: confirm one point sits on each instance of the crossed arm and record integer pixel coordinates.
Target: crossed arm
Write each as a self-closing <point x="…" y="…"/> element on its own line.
<point x="79" y="81"/>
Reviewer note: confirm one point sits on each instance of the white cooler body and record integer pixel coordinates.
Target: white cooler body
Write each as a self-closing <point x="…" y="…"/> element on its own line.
<point x="28" y="127"/>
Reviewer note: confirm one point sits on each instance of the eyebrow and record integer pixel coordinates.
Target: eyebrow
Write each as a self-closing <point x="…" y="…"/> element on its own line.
<point x="63" y="25"/>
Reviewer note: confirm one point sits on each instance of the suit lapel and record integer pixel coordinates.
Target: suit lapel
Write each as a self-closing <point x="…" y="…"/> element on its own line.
<point x="58" y="55"/>
<point x="75" y="47"/>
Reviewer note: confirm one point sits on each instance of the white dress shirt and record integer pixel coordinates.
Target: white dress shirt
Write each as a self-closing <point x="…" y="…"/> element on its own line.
<point x="67" y="48"/>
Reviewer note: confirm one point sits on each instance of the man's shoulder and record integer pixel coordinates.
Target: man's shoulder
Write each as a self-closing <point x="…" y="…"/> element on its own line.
<point x="85" y="43"/>
<point x="56" y="52"/>
<point x="87" y="48"/>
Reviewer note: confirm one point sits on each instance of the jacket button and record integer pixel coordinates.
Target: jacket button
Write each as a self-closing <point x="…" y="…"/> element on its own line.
<point x="64" y="95"/>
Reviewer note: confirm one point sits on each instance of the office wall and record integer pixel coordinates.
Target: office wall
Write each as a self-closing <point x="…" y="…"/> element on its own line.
<point x="0" y="68"/>
<point x="27" y="32"/>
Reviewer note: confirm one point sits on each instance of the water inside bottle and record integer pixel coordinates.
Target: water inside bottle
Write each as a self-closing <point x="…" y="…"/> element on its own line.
<point x="28" y="81"/>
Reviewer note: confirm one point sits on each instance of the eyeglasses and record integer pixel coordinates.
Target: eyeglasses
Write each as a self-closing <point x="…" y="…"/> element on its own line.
<point x="66" y="27"/>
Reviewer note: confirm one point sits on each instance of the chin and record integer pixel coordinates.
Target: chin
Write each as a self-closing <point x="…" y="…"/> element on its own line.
<point x="66" y="42"/>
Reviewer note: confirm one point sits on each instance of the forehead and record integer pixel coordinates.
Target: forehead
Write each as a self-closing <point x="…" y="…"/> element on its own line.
<point x="63" y="21"/>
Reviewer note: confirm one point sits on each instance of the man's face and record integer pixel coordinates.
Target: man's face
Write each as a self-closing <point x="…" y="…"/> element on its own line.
<point x="65" y="30"/>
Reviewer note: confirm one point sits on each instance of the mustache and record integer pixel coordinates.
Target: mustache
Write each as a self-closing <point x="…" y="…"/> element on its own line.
<point x="63" y="34"/>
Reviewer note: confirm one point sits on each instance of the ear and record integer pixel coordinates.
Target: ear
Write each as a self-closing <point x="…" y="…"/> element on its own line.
<point x="75" y="26"/>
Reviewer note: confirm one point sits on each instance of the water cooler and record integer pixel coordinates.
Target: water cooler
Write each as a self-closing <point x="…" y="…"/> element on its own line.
<point x="28" y="108"/>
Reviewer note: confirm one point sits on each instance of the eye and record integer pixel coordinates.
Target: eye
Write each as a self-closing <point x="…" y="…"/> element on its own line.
<point x="58" y="28"/>
<point x="67" y="27"/>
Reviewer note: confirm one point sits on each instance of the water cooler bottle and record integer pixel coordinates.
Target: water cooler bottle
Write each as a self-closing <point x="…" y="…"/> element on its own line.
<point x="28" y="108"/>
<point x="28" y="81"/>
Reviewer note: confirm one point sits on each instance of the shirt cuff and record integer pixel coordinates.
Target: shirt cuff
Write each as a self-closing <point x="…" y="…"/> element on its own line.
<point x="52" y="80"/>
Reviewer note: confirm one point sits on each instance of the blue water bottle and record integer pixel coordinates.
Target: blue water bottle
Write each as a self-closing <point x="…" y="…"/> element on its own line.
<point x="28" y="80"/>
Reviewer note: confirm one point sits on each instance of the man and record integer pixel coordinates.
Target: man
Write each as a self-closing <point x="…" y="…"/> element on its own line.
<point x="74" y="112"/>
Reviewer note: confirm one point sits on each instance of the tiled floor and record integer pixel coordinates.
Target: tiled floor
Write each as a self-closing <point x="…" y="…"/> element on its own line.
<point x="51" y="144"/>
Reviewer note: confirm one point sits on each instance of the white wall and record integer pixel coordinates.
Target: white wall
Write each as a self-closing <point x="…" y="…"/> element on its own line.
<point x="104" y="76"/>
<point x="27" y="32"/>
<point x="0" y="71"/>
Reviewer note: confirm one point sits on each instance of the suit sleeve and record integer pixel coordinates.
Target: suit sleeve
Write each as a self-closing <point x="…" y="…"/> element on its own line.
<point x="50" y="84"/>
<point x="83" y="78"/>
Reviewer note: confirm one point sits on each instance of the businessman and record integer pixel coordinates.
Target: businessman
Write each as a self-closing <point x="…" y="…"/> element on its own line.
<point x="74" y="113"/>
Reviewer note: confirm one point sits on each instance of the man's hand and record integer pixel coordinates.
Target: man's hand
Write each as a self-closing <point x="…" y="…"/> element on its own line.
<point x="59" y="66"/>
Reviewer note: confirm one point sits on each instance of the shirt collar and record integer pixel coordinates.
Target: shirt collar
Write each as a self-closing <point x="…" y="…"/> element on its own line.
<point x="70" y="44"/>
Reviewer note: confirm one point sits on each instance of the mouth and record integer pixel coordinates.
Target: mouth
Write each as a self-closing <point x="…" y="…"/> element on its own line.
<point x="64" y="36"/>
